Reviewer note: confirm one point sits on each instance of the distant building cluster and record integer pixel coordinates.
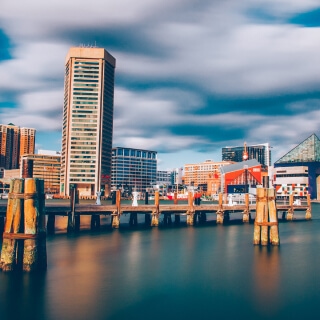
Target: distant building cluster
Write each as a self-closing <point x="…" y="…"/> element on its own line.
<point x="89" y="163"/>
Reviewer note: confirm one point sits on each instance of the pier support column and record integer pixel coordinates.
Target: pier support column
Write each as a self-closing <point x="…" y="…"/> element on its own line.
<point x="156" y="212"/>
<point x="190" y="216"/>
<point x="291" y="209"/>
<point x="308" y="211"/>
<point x="245" y="217"/>
<point x="147" y="219"/>
<point x="133" y="220"/>
<point x="155" y="220"/>
<point x="116" y="215"/>
<point x="289" y="215"/>
<point x="220" y="216"/>
<point x="177" y="219"/>
<point x="167" y="218"/>
<point x="115" y="221"/>
<point x="95" y="222"/>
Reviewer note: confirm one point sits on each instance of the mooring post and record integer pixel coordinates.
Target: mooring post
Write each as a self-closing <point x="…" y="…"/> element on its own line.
<point x="246" y="209"/>
<point x="116" y="216"/>
<point x="70" y="227"/>
<point x="175" y="197"/>
<point x="291" y="209"/>
<point x="190" y="212"/>
<point x="266" y="217"/>
<point x="220" y="213"/>
<point x="13" y="224"/>
<point x="35" y="253"/>
<point x="308" y="211"/>
<point x="155" y="213"/>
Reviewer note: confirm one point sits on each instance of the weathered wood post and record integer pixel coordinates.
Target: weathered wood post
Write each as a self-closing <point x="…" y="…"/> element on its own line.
<point x="220" y="213"/>
<point x="266" y="216"/>
<point x="35" y="253"/>
<point x="147" y="216"/>
<point x="155" y="212"/>
<point x="291" y="209"/>
<point x="190" y="212"/>
<point x="13" y="225"/>
<point x="245" y="217"/>
<point x="175" y="197"/>
<point x="116" y="214"/>
<point x="308" y="211"/>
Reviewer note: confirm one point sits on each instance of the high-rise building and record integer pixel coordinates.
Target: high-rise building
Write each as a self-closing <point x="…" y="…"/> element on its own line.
<point x="260" y="152"/>
<point x="14" y="142"/>
<point x="87" y="121"/>
<point x="133" y="169"/>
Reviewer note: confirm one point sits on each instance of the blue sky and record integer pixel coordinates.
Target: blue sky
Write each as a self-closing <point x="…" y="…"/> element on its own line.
<point x="191" y="77"/>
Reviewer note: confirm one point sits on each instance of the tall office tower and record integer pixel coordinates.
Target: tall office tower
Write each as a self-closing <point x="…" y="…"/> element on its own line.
<point x="87" y="121"/>
<point x="260" y="152"/>
<point x="14" y="142"/>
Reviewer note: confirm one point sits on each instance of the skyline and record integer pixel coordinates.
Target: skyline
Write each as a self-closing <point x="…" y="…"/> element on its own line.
<point x="190" y="78"/>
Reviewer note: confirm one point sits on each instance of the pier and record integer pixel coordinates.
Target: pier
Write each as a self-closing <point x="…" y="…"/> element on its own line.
<point x="160" y="208"/>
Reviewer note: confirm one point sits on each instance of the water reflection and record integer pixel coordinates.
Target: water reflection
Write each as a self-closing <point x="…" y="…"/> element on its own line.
<point x="266" y="279"/>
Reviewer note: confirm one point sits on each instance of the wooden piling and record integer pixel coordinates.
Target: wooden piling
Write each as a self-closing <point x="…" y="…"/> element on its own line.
<point x="155" y="213"/>
<point x="34" y="255"/>
<point x="266" y="217"/>
<point x="308" y="211"/>
<point x="291" y="209"/>
<point x="273" y="218"/>
<point x="13" y="224"/>
<point x="220" y="213"/>
<point x="116" y="215"/>
<point x="245" y="217"/>
<point x="190" y="212"/>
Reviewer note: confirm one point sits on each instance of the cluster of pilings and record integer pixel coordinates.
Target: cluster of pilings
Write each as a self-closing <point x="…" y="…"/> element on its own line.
<point x="24" y="237"/>
<point x="266" y="225"/>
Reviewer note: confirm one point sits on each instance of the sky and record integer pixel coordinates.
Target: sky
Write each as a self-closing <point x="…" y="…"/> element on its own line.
<point x="192" y="76"/>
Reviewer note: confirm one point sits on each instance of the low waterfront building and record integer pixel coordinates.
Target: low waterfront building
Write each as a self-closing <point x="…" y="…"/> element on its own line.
<point x="242" y="176"/>
<point x="205" y="175"/>
<point x="298" y="171"/>
<point x="133" y="169"/>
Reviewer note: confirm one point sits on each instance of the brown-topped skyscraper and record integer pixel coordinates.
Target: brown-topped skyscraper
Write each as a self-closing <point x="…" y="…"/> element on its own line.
<point x="87" y="121"/>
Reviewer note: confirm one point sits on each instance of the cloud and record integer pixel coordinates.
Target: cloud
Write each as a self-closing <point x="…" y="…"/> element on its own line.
<point x="190" y="75"/>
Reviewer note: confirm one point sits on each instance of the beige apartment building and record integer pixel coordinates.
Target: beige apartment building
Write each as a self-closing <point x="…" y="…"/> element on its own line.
<point x="205" y="175"/>
<point x="87" y="121"/>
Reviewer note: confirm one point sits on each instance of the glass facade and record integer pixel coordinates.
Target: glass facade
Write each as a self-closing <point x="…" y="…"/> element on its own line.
<point x="306" y="151"/>
<point x="261" y="153"/>
<point x="133" y="169"/>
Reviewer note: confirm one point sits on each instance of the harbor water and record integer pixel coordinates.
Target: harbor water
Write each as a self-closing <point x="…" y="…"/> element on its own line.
<point x="200" y="272"/>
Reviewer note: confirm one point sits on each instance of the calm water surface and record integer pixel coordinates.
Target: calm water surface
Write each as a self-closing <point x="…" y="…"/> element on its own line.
<point x="201" y="272"/>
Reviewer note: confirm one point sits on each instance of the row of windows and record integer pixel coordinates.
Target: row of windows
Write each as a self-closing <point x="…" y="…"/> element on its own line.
<point x="133" y="153"/>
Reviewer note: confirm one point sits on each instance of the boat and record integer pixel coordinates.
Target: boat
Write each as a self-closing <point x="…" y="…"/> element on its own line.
<point x="180" y="196"/>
